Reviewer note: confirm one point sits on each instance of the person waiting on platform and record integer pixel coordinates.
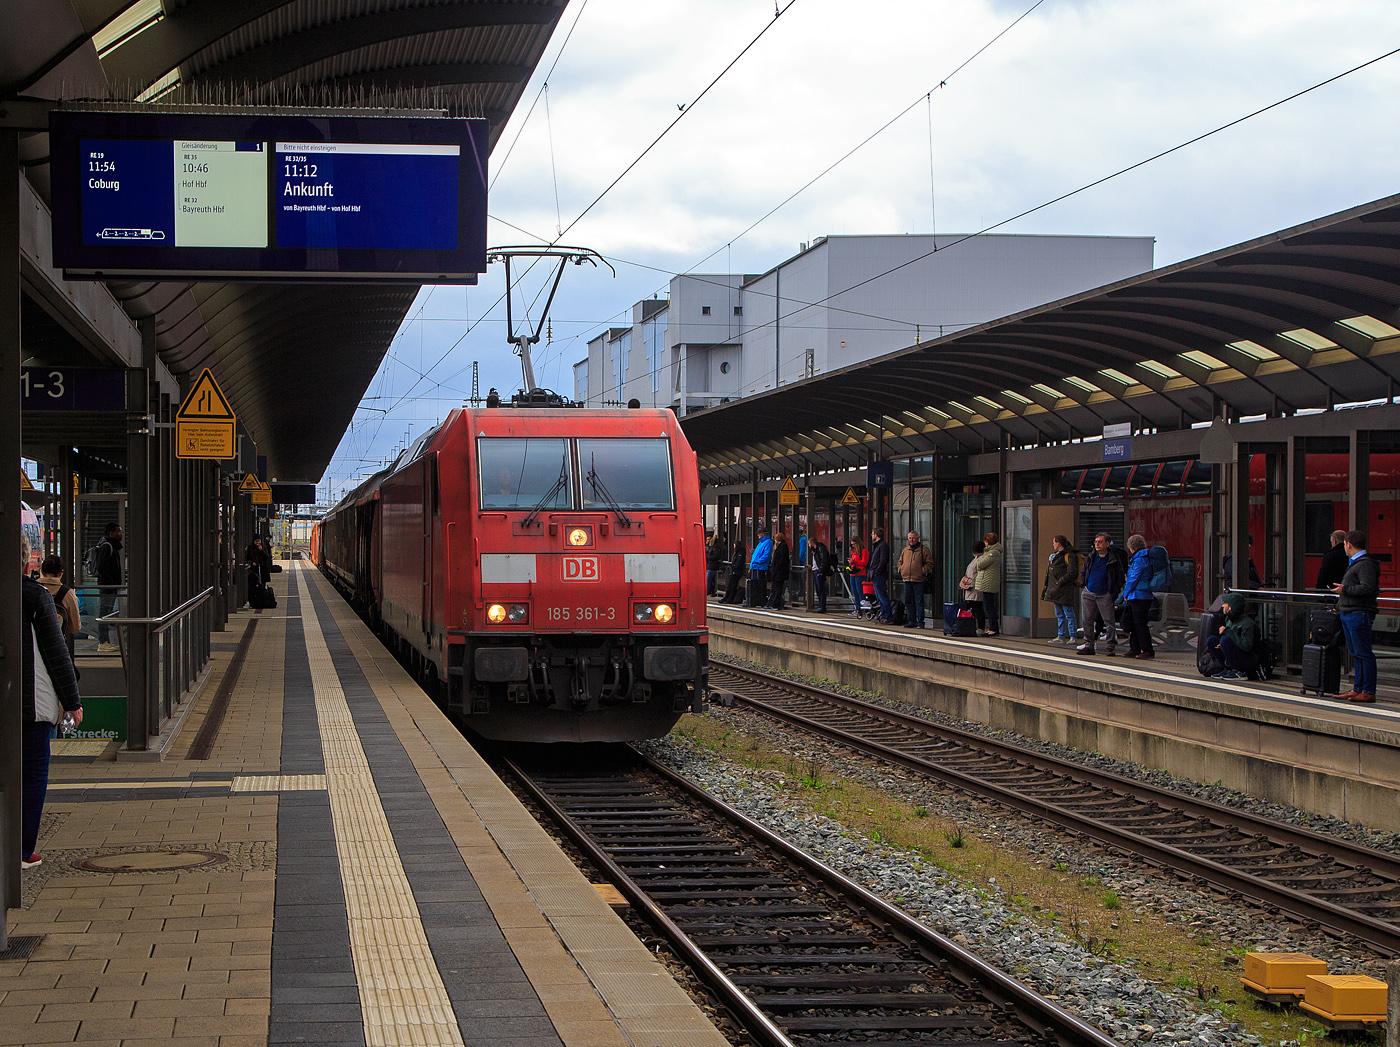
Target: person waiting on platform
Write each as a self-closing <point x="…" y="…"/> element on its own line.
<point x="988" y="581"/>
<point x="1335" y="562"/>
<point x="49" y="690"/>
<point x="714" y="559"/>
<point x="822" y="567"/>
<point x="109" y="575"/>
<point x="1101" y="581"/>
<point x="1356" y="603"/>
<point x="1236" y="640"/>
<point x="859" y="560"/>
<point x="1062" y="588"/>
<point x="51" y="578"/>
<point x="1137" y="599"/>
<point x="969" y="588"/>
<point x="758" y="571"/>
<point x="779" y="569"/>
<point x="915" y="562"/>
<point x="1227" y="569"/>
<point x="738" y="564"/>
<point x="878" y="573"/>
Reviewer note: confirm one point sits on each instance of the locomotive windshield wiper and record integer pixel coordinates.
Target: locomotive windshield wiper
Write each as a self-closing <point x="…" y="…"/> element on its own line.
<point x="529" y="521"/>
<point x="600" y="488"/>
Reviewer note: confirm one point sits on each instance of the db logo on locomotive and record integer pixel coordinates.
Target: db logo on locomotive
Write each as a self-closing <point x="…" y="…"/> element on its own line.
<point x="580" y="568"/>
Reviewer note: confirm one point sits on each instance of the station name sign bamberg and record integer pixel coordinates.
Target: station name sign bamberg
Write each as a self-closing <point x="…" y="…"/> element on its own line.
<point x="269" y="197"/>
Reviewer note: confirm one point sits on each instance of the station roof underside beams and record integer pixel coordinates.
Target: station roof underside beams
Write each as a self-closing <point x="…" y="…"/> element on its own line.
<point x="1300" y="320"/>
<point x="294" y="360"/>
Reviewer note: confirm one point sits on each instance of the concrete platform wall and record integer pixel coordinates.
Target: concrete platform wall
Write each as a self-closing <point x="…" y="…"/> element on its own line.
<point x="1312" y="763"/>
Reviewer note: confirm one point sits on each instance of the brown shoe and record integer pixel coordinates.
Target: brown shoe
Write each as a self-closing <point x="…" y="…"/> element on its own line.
<point x="1345" y="696"/>
<point x="1145" y="654"/>
<point x="1362" y="696"/>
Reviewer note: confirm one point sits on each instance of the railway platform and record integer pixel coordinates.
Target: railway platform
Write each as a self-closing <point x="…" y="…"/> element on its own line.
<point x="322" y="858"/>
<point x="1265" y="739"/>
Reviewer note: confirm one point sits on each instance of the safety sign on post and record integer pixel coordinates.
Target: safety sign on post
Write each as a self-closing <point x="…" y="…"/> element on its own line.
<point x="787" y="494"/>
<point x="205" y="425"/>
<point x="25" y="484"/>
<point x="251" y="485"/>
<point x="849" y="498"/>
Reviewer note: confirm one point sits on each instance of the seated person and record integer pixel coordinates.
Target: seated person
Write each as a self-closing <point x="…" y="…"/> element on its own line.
<point x="1236" y="639"/>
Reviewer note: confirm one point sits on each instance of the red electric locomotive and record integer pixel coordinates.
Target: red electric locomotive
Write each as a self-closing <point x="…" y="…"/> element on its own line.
<point x="542" y="569"/>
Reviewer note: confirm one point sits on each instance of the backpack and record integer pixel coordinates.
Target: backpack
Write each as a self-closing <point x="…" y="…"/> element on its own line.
<point x="1161" y="565"/>
<point x="1267" y="658"/>
<point x="91" y="559"/>
<point x="898" y="615"/>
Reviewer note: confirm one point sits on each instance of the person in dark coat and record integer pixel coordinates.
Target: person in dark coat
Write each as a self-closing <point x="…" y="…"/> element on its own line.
<point x="1227" y="569"/>
<point x="1334" y="563"/>
<point x="50" y="689"/>
<point x="1101" y="582"/>
<point x="1236" y="639"/>
<point x="1356" y="603"/>
<point x="1062" y="588"/>
<point x="779" y="569"/>
<point x="878" y="572"/>
<point x="738" y="563"/>
<point x="259" y="591"/>
<point x="109" y="573"/>
<point x="714" y="560"/>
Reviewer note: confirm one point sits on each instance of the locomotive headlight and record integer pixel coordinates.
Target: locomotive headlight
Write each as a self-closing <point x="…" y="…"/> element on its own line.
<point x="517" y="613"/>
<point x="642" y="612"/>
<point x="579" y="536"/>
<point x="664" y="613"/>
<point x="496" y="613"/>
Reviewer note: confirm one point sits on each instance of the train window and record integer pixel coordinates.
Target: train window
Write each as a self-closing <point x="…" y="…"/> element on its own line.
<point x="1169" y="479"/>
<point x="1117" y="481"/>
<point x="630" y="474"/>
<point x="1140" y="486"/>
<point x="1198" y="481"/>
<point x="1093" y="480"/>
<point x="1069" y="483"/>
<point x="519" y="473"/>
<point x="1318" y="524"/>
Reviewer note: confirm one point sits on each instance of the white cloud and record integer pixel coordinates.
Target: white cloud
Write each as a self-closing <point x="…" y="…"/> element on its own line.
<point x="1076" y="91"/>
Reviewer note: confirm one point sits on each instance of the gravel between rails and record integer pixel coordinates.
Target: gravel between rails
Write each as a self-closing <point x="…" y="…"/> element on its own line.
<point x="1114" y="996"/>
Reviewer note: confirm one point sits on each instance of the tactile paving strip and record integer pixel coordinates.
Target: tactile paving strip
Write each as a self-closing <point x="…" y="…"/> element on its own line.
<point x="402" y="995"/>
<point x="79" y="746"/>
<point x="280" y="783"/>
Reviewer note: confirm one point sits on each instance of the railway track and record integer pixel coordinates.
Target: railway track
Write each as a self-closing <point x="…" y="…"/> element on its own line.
<point x="797" y="953"/>
<point x="1341" y="887"/>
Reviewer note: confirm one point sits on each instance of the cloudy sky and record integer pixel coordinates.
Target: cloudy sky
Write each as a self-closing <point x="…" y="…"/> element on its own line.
<point x="1076" y="90"/>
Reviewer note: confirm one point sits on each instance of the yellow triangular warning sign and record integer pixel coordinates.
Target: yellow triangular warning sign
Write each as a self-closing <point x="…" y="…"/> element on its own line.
<point x="849" y="498"/>
<point x="789" y="486"/>
<point x="205" y="400"/>
<point x="250" y="483"/>
<point x="25" y="484"/>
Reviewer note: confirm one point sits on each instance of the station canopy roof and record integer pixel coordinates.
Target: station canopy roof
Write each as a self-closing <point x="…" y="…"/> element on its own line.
<point x="294" y="359"/>
<point x="1304" y="319"/>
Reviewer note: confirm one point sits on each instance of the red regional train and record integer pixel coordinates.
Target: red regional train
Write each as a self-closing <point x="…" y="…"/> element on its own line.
<point x="1169" y="503"/>
<point x="541" y="569"/>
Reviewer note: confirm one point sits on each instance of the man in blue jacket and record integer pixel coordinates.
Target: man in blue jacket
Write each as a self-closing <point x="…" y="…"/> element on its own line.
<point x="1356" y="603"/>
<point x="1102" y="580"/>
<point x="758" y="571"/>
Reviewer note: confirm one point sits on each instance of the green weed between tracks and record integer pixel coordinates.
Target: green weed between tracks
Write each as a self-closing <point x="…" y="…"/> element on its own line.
<point x="1177" y="958"/>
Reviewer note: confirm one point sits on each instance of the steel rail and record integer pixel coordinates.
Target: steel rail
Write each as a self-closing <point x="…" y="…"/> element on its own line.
<point x="1380" y="934"/>
<point x="1034" y="1010"/>
<point x="758" y="1024"/>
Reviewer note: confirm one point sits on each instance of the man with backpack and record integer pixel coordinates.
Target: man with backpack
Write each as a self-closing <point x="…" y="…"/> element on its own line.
<point x="822" y="567"/>
<point x="106" y="566"/>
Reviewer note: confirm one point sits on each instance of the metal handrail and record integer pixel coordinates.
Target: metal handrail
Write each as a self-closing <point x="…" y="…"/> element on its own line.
<point x="167" y="619"/>
<point x="1314" y="594"/>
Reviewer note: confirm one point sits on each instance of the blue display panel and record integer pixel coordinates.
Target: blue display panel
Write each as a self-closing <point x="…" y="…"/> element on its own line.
<point x="269" y="198"/>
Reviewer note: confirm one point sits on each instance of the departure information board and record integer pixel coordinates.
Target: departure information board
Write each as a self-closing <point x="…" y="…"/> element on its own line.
<point x="269" y="197"/>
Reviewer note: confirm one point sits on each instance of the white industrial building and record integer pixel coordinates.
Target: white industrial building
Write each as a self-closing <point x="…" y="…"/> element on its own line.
<point x="840" y="300"/>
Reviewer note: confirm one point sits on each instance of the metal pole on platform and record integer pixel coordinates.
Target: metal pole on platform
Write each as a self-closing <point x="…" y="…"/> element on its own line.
<point x="138" y="501"/>
<point x="11" y="681"/>
<point x="1392" y="1004"/>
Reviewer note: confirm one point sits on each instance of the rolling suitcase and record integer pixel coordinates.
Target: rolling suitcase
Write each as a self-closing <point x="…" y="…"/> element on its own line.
<point x="1209" y="661"/>
<point x="1322" y="669"/>
<point x="965" y="624"/>
<point x="950" y="618"/>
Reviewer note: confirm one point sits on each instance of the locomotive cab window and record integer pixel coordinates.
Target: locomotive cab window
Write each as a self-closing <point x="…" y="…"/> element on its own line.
<point x="524" y="473"/>
<point x="626" y="474"/>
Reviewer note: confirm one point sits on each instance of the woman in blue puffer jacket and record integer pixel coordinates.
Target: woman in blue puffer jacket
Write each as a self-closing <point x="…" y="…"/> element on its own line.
<point x="1137" y="598"/>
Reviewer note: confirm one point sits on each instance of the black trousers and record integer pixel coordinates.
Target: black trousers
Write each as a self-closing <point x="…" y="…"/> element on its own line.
<point x="1135" y="614"/>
